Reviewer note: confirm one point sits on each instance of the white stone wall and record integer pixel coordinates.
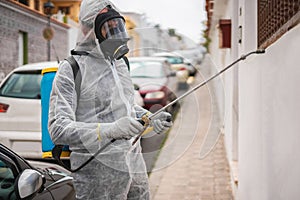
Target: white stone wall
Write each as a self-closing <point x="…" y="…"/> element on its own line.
<point x="269" y="165"/>
<point x="262" y="106"/>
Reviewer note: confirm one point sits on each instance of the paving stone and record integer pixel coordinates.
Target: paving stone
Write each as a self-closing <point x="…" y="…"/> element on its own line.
<point x="190" y="177"/>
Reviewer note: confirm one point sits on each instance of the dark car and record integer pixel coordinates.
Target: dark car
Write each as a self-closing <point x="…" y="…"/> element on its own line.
<point x="21" y="180"/>
<point x="155" y="80"/>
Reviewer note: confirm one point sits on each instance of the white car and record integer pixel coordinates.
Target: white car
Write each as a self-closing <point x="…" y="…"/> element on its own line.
<point x="20" y="109"/>
<point x="177" y="61"/>
<point x="179" y="65"/>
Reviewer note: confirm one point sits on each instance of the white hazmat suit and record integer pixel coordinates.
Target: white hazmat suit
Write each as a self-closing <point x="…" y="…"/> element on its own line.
<point x="105" y="110"/>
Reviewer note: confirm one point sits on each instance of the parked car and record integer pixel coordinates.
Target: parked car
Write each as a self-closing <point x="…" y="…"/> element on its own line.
<point x="21" y="180"/>
<point x="193" y="56"/>
<point x="20" y="109"/>
<point x="178" y="63"/>
<point x="155" y="80"/>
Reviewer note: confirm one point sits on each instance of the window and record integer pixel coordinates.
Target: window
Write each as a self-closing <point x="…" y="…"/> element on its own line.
<point x="7" y="180"/>
<point x="23" y="85"/>
<point x="175" y="60"/>
<point x="23" y="48"/>
<point x="25" y="2"/>
<point x="146" y="69"/>
<point x="37" y="5"/>
<point x="276" y="17"/>
<point x="64" y="9"/>
<point x="225" y="33"/>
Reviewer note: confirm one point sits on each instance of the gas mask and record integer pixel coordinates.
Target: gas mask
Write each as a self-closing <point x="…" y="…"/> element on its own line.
<point x="111" y="34"/>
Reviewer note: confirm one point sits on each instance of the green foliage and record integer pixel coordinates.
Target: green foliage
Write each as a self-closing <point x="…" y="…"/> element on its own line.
<point x="207" y="42"/>
<point x="172" y="33"/>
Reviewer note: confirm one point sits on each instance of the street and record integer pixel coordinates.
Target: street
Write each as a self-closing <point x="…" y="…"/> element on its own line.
<point x="178" y="171"/>
<point x="234" y="138"/>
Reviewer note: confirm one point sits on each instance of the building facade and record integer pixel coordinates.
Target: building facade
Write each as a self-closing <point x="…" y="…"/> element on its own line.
<point x="147" y="39"/>
<point x="261" y="100"/>
<point x="21" y="36"/>
<point x="23" y="24"/>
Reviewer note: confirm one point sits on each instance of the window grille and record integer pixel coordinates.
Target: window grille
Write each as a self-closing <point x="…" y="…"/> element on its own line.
<point x="276" y="17"/>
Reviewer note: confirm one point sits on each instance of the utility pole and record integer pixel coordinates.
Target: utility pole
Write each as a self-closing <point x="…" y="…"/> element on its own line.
<point x="48" y="31"/>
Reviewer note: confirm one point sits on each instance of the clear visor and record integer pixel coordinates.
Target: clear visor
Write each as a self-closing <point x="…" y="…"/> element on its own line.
<point x="114" y="29"/>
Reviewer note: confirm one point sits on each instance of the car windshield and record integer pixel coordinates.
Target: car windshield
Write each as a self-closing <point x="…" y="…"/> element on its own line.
<point x="25" y="84"/>
<point x="146" y="69"/>
<point x="175" y="60"/>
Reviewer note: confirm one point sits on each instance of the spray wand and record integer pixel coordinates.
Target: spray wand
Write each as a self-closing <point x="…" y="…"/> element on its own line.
<point x="145" y="120"/>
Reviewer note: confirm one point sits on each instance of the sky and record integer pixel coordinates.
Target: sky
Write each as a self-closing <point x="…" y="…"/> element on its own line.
<point x="186" y="17"/>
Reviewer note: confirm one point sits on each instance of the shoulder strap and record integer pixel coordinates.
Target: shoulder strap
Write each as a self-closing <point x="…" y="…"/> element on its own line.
<point x="127" y="62"/>
<point x="79" y="53"/>
<point x="76" y="74"/>
<point x="84" y="53"/>
<point x="57" y="150"/>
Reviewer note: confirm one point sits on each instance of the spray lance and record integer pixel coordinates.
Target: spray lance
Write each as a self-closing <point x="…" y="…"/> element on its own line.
<point x="145" y="120"/>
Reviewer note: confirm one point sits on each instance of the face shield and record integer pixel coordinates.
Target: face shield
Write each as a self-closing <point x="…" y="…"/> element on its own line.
<point x="111" y="34"/>
<point x="114" y="29"/>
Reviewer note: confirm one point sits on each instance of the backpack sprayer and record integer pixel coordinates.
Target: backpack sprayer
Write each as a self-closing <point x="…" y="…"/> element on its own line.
<point x="145" y="120"/>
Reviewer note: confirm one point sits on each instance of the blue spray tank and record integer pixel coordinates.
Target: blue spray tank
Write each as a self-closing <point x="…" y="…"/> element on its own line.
<point x="46" y="88"/>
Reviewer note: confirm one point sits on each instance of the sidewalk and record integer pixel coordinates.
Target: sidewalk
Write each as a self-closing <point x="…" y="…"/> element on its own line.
<point x="179" y="173"/>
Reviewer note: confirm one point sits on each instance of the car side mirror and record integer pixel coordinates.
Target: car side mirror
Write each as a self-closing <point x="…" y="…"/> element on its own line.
<point x="29" y="183"/>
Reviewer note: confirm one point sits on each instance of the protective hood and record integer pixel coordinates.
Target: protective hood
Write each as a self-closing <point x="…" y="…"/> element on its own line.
<point x="111" y="33"/>
<point x="110" y="25"/>
<point x="86" y="39"/>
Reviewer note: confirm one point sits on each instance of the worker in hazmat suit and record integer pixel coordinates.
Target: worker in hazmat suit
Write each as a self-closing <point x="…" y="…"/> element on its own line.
<point x="103" y="110"/>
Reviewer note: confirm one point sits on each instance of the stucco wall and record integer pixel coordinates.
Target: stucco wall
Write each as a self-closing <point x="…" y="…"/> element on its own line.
<point x="227" y="82"/>
<point x="262" y="104"/>
<point x="269" y="165"/>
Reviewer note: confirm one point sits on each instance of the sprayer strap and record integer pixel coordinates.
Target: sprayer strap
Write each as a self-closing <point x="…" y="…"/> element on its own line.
<point x="76" y="74"/>
<point x="79" y="53"/>
<point x="57" y="150"/>
<point x="127" y="62"/>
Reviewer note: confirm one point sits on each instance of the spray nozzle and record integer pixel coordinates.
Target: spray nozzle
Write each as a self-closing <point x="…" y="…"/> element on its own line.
<point x="260" y="51"/>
